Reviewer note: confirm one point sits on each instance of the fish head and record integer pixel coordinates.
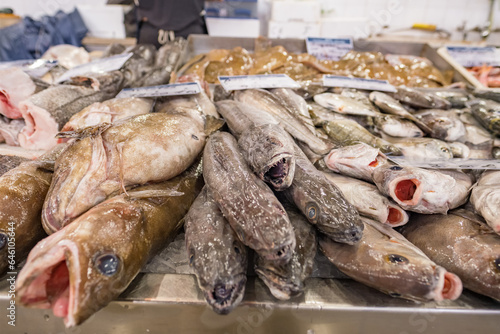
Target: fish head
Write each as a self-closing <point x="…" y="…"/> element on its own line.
<point x="282" y="279"/>
<point x="81" y="268"/>
<point x="268" y="149"/>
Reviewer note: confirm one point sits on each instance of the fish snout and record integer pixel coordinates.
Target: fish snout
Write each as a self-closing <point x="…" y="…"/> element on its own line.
<point x="449" y="286"/>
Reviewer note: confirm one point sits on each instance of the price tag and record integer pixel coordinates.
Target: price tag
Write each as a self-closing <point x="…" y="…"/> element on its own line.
<point x="358" y="83"/>
<point x="187" y="88"/>
<point x="481" y="164"/>
<point x="35" y="68"/>
<point x="328" y="48"/>
<point x="469" y="56"/>
<point x="107" y="64"/>
<point x="240" y="82"/>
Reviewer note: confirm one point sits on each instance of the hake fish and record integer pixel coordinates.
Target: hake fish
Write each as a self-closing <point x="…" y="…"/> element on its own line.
<point x="444" y="124"/>
<point x="217" y="256"/>
<point x="322" y="203"/>
<point x="257" y="217"/>
<point x="386" y="261"/>
<point x="83" y="267"/>
<point x="396" y="126"/>
<point x="485" y="198"/>
<point x="422" y="149"/>
<point x="461" y="243"/>
<point x="345" y="105"/>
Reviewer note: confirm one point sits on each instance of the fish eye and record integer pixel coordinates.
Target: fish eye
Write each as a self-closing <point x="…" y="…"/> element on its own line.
<point x="445" y="150"/>
<point x="397" y="259"/>
<point x="496" y="264"/>
<point x="396" y="168"/>
<point x="107" y="264"/>
<point x="312" y="211"/>
<point x="3" y="240"/>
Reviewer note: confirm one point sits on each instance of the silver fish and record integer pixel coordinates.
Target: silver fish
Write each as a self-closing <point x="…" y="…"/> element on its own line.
<point x="296" y="104"/>
<point x="485" y="198"/>
<point x="396" y="126"/>
<point x="344" y="105"/>
<point x="487" y="112"/>
<point x="419" y="99"/>
<point x="456" y="96"/>
<point x="422" y="149"/>
<point x="459" y="150"/>
<point x="444" y="124"/>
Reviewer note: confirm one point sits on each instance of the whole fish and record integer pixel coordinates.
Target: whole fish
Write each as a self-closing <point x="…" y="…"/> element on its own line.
<point x="287" y="280"/>
<point x="67" y="55"/>
<point x="81" y="268"/>
<point x="487" y="112"/>
<point x="46" y="112"/>
<point x="345" y="132"/>
<point x="461" y="243"/>
<point x="268" y="102"/>
<point x="15" y="86"/>
<point x="423" y="190"/>
<point x="419" y="99"/>
<point x="8" y="162"/>
<point x="108" y="112"/>
<point x="485" y="198"/>
<point x="22" y="192"/>
<point x="487" y="94"/>
<point x="360" y="96"/>
<point x="322" y="203"/>
<point x="167" y="58"/>
<point x="105" y="158"/>
<point x="217" y="256"/>
<point x="477" y="138"/>
<point x="251" y="208"/>
<point x="396" y="126"/>
<point x="368" y="200"/>
<point x="444" y="124"/>
<point x="137" y="67"/>
<point x="10" y="129"/>
<point x="296" y="105"/>
<point x="456" y="96"/>
<point x="267" y="148"/>
<point x="345" y="105"/>
<point x="422" y="149"/>
<point x="386" y="261"/>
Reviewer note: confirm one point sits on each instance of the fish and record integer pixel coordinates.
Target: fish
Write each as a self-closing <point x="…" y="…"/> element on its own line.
<point x="422" y="149"/>
<point x="249" y="205"/>
<point x="344" y="105"/>
<point x="495" y="152"/>
<point x="444" y="124"/>
<point x="113" y="49"/>
<point x="485" y="198"/>
<point x="419" y="99"/>
<point x="67" y="55"/>
<point x="267" y="148"/>
<point x="456" y="96"/>
<point x="8" y="162"/>
<point x="487" y="112"/>
<point x="108" y="111"/>
<point x="287" y="280"/>
<point x="345" y="132"/>
<point x="166" y="60"/>
<point x="322" y="203"/>
<point x="423" y="190"/>
<point x="82" y="268"/>
<point x="15" y="86"/>
<point x="217" y="256"/>
<point x="296" y="104"/>
<point x="46" y="112"/>
<point x="220" y="94"/>
<point x="268" y="102"/>
<point x="108" y="157"/>
<point x="368" y="200"/>
<point x="22" y="192"/>
<point x="486" y="94"/>
<point x="459" y="150"/>
<point x="10" y="129"/>
<point x="139" y="65"/>
<point x="386" y="261"/>
<point x="477" y="138"/>
<point x="396" y="126"/>
<point x="463" y="244"/>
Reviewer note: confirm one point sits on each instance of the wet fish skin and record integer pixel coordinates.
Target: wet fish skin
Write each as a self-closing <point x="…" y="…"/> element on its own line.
<point x="419" y="99"/>
<point x="166" y="59"/>
<point x="477" y="138"/>
<point x="485" y="198"/>
<point x="296" y="104"/>
<point x="322" y="203"/>
<point x="345" y="105"/>
<point x="217" y="256"/>
<point x="461" y="243"/>
<point x="137" y="67"/>
<point x="386" y="261"/>
<point x="422" y="149"/>
<point x="444" y="124"/>
<point x="487" y="112"/>
<point x="459" y="150"/>
<point x="287" y="280"/>
<point x="456" y="96"/>
<point x="8" y="162"/>
<point x="90" y="267"/>
<point x="258" y="218"/>
<point x="395" y="126"/>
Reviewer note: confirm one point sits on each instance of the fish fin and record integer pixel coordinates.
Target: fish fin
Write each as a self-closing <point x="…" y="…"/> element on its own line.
<point x="154" y="193"/>
<point x="89" y="131"/>
<point x="474" y="217"/>
<point x="44" y="164"/>
<point x="119" y="148"/>
<point x="212" y="124"/>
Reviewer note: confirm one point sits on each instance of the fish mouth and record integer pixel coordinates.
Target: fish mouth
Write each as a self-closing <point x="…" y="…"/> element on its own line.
<point x="224" y="297"/>
<point x="279" y="173"/>
<point x="449" y="286"/>
<point x="280" y="287"/>
<point x="406" y="191"/>
<point x="396" y="216"/>
<point x="48" y="284"/>
<point x="350" y="236"/>
<point x="279" y="255"/>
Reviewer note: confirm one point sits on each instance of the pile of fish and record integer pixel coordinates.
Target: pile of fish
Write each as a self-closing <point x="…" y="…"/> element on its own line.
<point x="262" y="173"/>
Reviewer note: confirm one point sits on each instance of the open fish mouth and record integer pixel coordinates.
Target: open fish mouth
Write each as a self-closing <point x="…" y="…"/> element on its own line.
<point x="281" y="254"/>
<point x="279" y="173"/>
<point x="396" y="216"/>
<point x="449" y="286"/>
<point x="406" y="191"/>
<point x="224" y="297"/>
<point x="280" y="287"/>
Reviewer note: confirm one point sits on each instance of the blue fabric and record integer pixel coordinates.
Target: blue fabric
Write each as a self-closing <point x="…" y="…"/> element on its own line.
<point x="30" y="38"/>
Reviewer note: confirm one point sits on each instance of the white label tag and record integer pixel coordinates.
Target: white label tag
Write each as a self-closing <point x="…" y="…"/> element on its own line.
<point x="469" y="56"/>
<point x="107" y="64"/>
<point x="35" y="68"/>
<point x="240" y="82"/>
<point x="358" y="83"/>
<point x="450" y="164"/>
<point x="187" y="88"/>
<point x="328" y="48"/>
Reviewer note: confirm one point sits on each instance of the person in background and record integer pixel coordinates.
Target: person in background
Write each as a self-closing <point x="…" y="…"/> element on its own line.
<point x="160" y="21"/>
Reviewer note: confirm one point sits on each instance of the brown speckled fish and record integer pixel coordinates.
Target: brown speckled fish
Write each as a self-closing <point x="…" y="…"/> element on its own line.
<point x="8" y="162"/>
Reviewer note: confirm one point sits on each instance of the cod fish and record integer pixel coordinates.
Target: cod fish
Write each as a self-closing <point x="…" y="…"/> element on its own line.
<point x="419" y="99"/>
<point x="386" y="261"/>
<point x="461" y="243"/>
<point x="146" y="148"/>
<point x="271" y="104"/>
<point x="368" y="200"/>
<point x="267" y="148"/>
<point x="22" y="192"/>
<point x="485" y="198"/>
<point x="257" y="217"/>
<point x="323" y="203"/>
<point x="8" y="162"/>
<point x="422" y="149"/>
<point x="487" y="112"/>
<point x="345" y="105"/>
<point x="15" y="86"/>
<point x="46" y="112"/>
<point x="396" y="126"/>
<point x="287" y="280"/>
<point x="81" y="268"/>
<point x="444" y="124"/>
<point x="10" y="129"/>
<point x="108" y="111"/>
<point x="217" y="256"/>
